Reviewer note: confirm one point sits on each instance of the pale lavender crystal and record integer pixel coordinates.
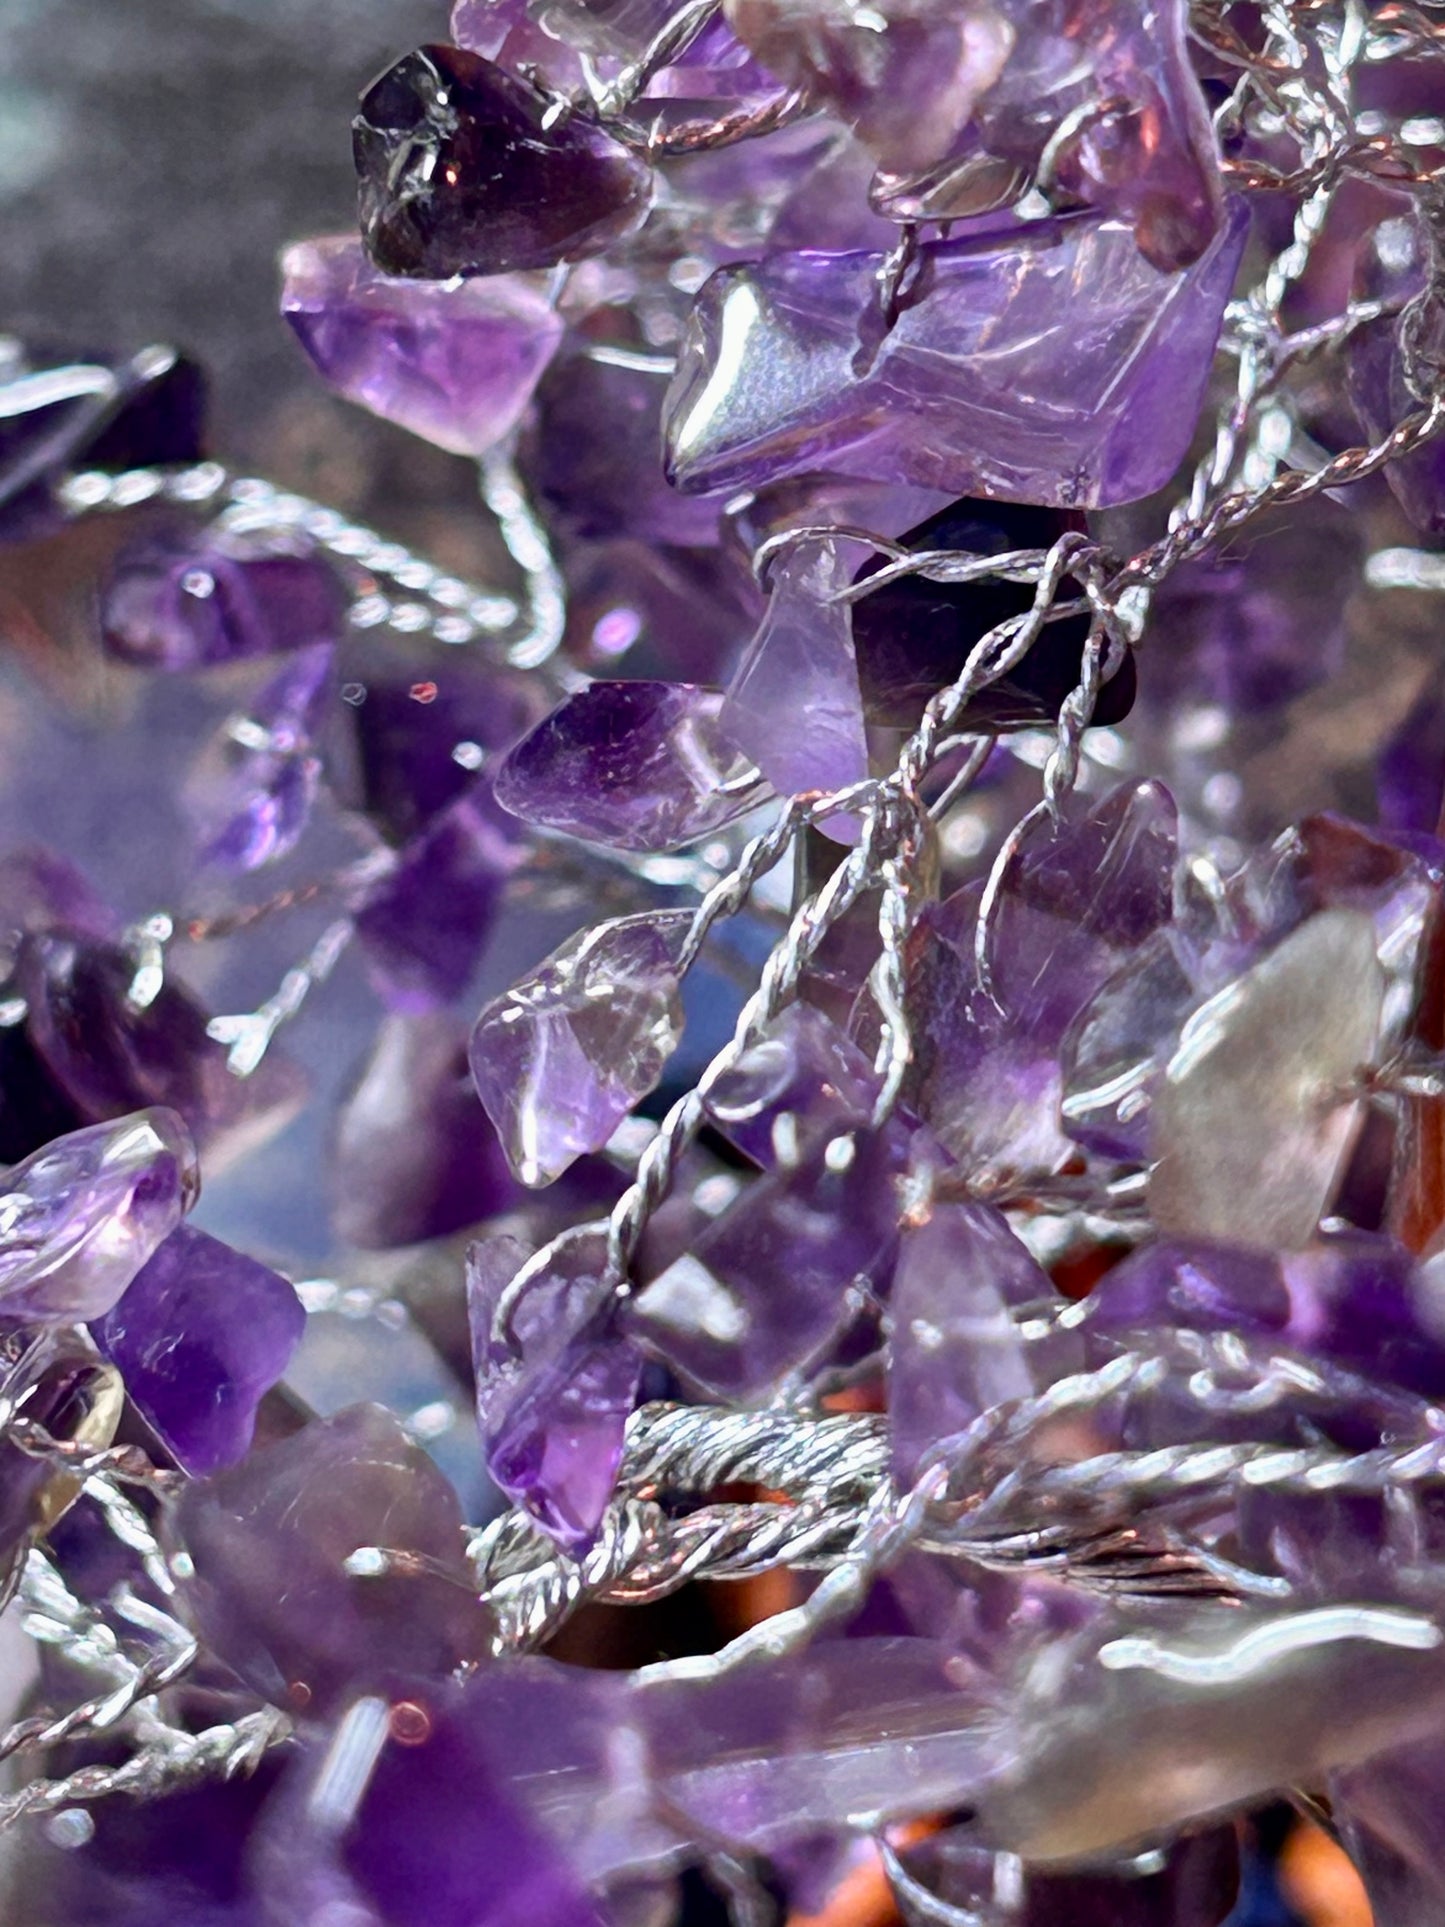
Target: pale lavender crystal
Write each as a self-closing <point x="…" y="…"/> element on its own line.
<point x="201" y="1334"/>
<point x="905" y="75"/>
<point x="455" y="362"/>
<point x="415" y="1155"/>
<point x="1255" y="1110"/>
<point x="1377" y="364"/>
<point x="561" y="1058"/>
<point x="802" y="1083"/>
<point x="801" y="664"/>
<point x="955" y="1347"/>
<point x="638" y="765"/>
<point x="250" y="792"/>
<point x="556" y="1377"/>
<point x="80" y="1217"/>
<point x="1000" y="375"/>
<point x="423" y="924"/>
<point x="280" y="1562"/>
<point x="783" y="1272"/>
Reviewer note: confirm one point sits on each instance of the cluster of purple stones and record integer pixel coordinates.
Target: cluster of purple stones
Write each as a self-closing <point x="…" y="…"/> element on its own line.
<point x="1012" y="1204"/>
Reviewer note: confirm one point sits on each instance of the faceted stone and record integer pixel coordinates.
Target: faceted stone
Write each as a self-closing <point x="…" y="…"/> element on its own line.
<point x="279" y="1566"/>
<point x="561" y="1058"/>
<point x="782" y="1273"/>
<point x="423" y="924"/>
<point x="994" y="379"/>
<point x="194" y="597"/>
<point x="1254" y="1114"/>
<point x="637" y="765"/>
<point x="802" y="662"/>
<point x="415" y="1156"/>
<point x="801" y="1084"/>
<point x="109" y="1055"/>
<point x="456" y="363"/>
<point x="200" y="1335"/>
<point x="421" y="736"/>
<point x="556" y="1377"/>
<point x="955" y="1349"/>
<point x="914" y="636"/>
<point x="467" y="169"/>
<point x="58" y="416"/>
<point x="409" y="1817"/>
<point x="1358" y="1300"/>
<point x="905" y="76"/>
<point x="251" y="791"/>
<point x="1073" y="900"/>
<point x="80" y="1217"/>
<point x="592" y="452"/>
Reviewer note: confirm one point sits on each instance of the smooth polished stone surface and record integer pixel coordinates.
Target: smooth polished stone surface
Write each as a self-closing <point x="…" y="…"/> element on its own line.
<point x="455" y="363"/>
<point x="637" y="765"/>
<point x="786" y="366"/>
<point x="200" y="1335"/>
<point x="467" y="169"/>
<point x="802" y="1083"/>
<point x="80" y="1217"/>
<point x="1255" y="1111"/>
<point x="561" y="1058"/>
<point x="279" y="1568"/>
<point x="557" y="1377"/>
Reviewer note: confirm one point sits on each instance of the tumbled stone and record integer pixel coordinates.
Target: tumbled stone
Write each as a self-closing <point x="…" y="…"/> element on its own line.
<point x="913" y="637"/>
<point x="1256" y="1108"/>
<point x="467" y="169"/>
<point x="198" y="596"/>
<point x="456" y="363"/>
<point x="638" y="765"/>
<point x="80" y="1217"/>
<point x="561" y="1057"/>
<point x="786" y="366"/>
<point x="556" y="1376"/>
<point x="802" y="662"/>
<point x="422" y="925"/>
<point x="200" y="1335"/>
<point x="279" y="1562"/>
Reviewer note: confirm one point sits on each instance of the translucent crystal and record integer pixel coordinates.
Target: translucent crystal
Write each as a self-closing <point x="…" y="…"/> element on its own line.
<point x="561" y="1058"/>
<point x="79" y="1218"/>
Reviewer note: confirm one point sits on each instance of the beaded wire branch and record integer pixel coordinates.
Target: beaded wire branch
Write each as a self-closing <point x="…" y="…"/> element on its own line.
<point x="1067" y="1471"/>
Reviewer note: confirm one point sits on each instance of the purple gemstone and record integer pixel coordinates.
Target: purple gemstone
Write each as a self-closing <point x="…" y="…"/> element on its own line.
<point x="1389" y="1814"/>
<point x="201" y="1334"/>
<point x="801" y="662"/>
<point x="194" y="597"/>
<point x="57" y="417"/>
<point x="109" y="1055"/>
<point x="998" y="377"/>
<point x="802" y="1083"/>
<point x="251" y="791"/>
<point x="415" y="1155"/>
<point x="783" y="1272"/>
<point x="593" y="452"/>
<point x="563" y="1056"/>
<point x="1410" y="772"/>
<point x="556" y="1378"/>
<point x="55" y="1379"/>
<point x="1256" y="1109"/>
<point x="1378" y="388"/>
<point x="673" y="614"/>
<point x="955" y="1349"/>
<point x="80" y="1217"/>
<point x="638" y="765"/>
<point x="905" y="76"/>
<point x="42" y="890"/>
<point x="280" y="1569"/>
<point x="467" y="169"/>
<point x="913" y="636"/>
<point x="423" y="925"/>
<point x="456" y="363"/>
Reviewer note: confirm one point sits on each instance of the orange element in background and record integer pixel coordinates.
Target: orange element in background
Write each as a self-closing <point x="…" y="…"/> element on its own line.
<point x="1320" y="1883"/>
